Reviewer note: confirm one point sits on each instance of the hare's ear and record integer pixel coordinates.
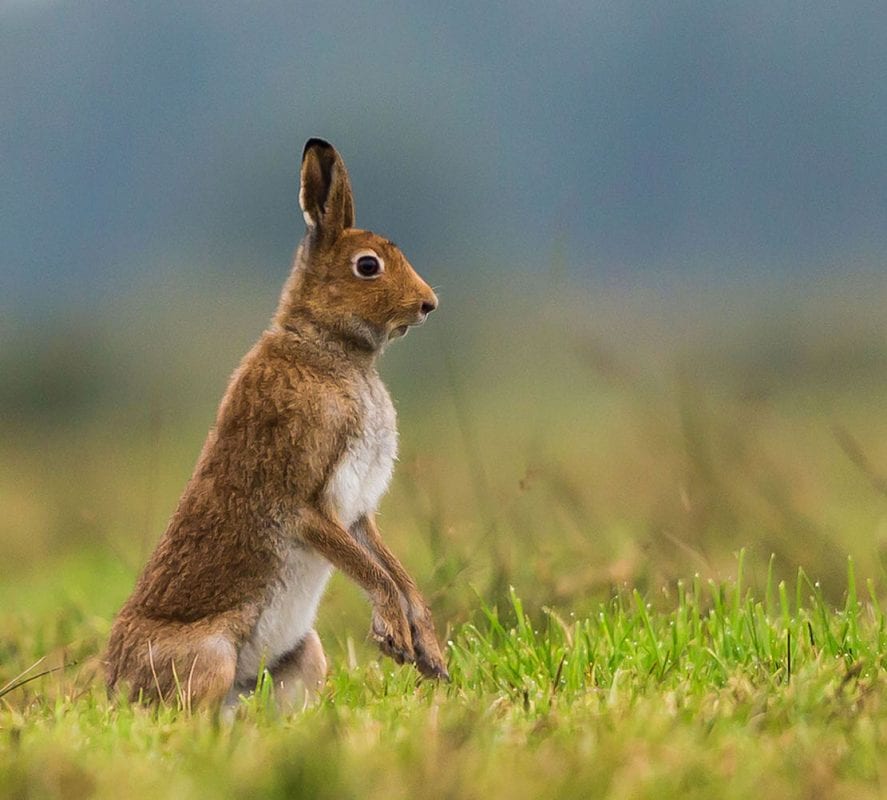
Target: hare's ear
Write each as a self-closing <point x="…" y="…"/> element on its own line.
<point x="325" y="195"/>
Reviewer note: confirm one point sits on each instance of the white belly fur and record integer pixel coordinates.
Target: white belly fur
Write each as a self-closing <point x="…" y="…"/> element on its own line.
<point x="290" y="612"/>
<point x="355" y="488"/>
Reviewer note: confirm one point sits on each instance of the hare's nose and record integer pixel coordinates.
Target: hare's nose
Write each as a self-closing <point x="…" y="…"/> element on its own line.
<point x="428" y="306"/>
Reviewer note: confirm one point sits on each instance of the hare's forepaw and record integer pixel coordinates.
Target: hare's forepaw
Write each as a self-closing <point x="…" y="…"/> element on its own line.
<point x="429" y="658"/>
<point x="392" y="634"/>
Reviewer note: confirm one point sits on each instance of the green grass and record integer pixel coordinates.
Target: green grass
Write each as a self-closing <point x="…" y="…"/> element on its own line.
<point x="707" y="691"/>
<point x="628" y="466"/>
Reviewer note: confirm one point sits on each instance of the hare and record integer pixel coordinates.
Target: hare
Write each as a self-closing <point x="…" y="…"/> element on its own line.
<point x="287" y="484"/>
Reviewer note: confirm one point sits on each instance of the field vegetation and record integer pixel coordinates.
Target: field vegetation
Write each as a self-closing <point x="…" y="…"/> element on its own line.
<point x="653" y="532"/>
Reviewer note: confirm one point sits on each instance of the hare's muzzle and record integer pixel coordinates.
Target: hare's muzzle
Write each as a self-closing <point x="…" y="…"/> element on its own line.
<point x="427" y="304"/>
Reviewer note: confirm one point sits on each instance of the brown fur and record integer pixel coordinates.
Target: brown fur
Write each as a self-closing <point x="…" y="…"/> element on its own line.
<point x="262" y="493"/>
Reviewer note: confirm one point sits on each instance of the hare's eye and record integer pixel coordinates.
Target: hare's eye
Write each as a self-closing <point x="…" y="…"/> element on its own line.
<point x="367" y="266"/>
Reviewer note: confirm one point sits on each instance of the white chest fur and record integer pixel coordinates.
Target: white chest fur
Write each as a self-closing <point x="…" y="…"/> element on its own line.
<point x="362" y="475"/>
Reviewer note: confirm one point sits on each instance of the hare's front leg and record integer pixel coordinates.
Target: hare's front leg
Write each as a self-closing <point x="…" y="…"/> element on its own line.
<point x="391" y="629"/>
<point x="429" y="658"/>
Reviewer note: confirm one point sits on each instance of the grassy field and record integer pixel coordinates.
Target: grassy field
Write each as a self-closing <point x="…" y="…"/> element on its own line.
<point x="653" y="534"/>
<point x="723" y="695"/>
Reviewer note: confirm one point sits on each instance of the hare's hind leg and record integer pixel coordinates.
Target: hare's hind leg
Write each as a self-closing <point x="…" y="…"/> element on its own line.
<point x="182" y="664"/>
<point x="211" y="673"/>
<point x="299" y="674"/>
<point x="191" y="668"/>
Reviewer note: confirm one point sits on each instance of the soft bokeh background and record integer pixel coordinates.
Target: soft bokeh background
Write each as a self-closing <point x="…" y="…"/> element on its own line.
<point x="658" y="232"/>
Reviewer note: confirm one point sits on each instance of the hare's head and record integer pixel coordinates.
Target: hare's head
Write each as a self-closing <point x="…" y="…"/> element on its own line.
<point x="352" y="283"/>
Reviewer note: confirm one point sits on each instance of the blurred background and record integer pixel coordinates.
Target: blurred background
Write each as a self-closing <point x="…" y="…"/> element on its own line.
<point x="658" y="233"/>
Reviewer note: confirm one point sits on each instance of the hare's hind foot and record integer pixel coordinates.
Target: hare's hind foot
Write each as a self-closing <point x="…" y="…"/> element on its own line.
<point x="297" y="676"/>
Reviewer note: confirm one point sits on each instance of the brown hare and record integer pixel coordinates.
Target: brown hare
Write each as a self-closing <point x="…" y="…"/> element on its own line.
<point x="287" y="484"/>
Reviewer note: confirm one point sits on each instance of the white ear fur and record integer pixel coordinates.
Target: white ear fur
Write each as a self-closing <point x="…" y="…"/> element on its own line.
<point x="308" y="221"/>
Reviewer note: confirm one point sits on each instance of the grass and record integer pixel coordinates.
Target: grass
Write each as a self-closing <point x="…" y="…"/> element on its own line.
<point x="673" y="495"/>
<point x="708" y="690"/>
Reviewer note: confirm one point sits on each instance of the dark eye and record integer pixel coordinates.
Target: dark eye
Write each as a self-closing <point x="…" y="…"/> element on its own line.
<point x="367" y="267"/>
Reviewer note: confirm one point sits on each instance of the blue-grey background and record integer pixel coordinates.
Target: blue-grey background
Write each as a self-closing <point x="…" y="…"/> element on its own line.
<point x="658" y="232"/>
<point x="618" y="138"/>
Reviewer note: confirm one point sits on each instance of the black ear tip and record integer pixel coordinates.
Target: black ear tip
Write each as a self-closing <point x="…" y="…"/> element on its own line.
<point x="314" y="142"/>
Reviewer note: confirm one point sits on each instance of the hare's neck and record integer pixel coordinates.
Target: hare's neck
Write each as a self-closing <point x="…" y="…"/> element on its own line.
<point x="314" y="338"/>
